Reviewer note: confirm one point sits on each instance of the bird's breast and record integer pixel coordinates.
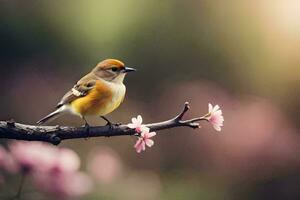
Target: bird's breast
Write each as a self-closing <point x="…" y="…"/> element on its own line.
<point x="101" y="100"/>
<point x="118" y="94"/>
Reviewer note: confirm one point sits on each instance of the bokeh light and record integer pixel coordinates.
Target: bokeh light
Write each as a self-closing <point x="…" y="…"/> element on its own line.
<point x="242" y="55"/>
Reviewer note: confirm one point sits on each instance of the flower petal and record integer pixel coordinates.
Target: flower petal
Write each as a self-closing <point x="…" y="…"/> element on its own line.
<point x="139" y="119"/>
<point x="149" y="142"/>
<point x="216" y="108"/>
<point x="218" y="112"/>
<point x="210" y="108"/>
<point x="139" y="145"/>
<point x="139" y="149"/>
<point x="217" y="128"/>
<point x="151" y="134"/>
<point x="143" y="145"/>
<point x="144" y="129"/>
<point x="134" y="120"/>
<point x="215" y="116"/>
<point x="131" y="125"/>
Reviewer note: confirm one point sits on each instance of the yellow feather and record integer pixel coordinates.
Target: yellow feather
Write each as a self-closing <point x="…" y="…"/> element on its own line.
<point x="104" y="98"/>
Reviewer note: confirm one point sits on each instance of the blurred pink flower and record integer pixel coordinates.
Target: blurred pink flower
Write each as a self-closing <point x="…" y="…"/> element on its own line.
<point x="54" y="170"/>
<point x="68" y="185"/>
<point x="30" y="156"/>
<point x="3" y="156"/>
<point x="7" y="162"/>
<point x="144" y="140"/>
<point x="61" y="177"/>
<point x="137" y="124"/>
<point x="104" y="164"/>
<point x="65" y="161"/>
<point x="11" y="165"/>
<point x="215" y="116"/>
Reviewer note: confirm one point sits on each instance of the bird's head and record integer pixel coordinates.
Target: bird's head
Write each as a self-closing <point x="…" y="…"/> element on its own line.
<point x="112" y="70"/>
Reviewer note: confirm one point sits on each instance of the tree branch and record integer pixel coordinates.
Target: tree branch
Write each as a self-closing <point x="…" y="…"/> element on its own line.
<point x="55" y="134"/>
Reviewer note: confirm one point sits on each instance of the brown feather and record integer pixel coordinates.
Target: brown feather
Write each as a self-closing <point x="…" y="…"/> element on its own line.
<point x="80" y="89"/>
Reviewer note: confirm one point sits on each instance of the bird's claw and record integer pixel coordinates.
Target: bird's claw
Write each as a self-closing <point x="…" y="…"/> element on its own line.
<point x="87" y="130"/>
<point x="112" y="125"/>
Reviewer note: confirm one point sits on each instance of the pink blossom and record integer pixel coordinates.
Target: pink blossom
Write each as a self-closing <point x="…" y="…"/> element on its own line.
<point x="215" y="116"/>
<point x="29" y="156"/>
<point x="137" y="124"/>
<point x="61" y="178"/>
<point x="11" y="165"/>
<point x="3" y="156"/>
<point x="65" y="161"/>
<point x="144" y="140"/>
<point x="68" y="185"/>
<point x="53" y="170"/>
<point x="105" y="165"/>
<point x="7" y="162"/>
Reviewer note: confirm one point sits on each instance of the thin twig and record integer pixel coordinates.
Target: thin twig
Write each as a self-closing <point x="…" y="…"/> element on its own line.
<point x="55" y="134"/>
<point x="18" y="195"/>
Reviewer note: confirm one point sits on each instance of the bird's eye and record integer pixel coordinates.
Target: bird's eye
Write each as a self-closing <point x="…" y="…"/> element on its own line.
<point x="114" y="69"/>
<point x="89" y="85"/>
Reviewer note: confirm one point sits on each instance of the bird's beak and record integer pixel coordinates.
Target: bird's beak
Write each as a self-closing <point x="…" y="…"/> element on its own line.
<point x="128" y="69"/>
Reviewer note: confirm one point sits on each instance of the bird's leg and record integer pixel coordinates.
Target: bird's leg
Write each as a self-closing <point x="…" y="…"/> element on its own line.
<point x="86" y="126"/>
<point x="109" y="123"/>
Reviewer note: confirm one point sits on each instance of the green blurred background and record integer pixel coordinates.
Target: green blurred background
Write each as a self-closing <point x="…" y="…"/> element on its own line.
<point x="242" y="55"/>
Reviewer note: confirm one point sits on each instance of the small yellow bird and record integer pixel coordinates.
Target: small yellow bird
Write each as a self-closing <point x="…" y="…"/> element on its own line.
<point x="96" y="94"/>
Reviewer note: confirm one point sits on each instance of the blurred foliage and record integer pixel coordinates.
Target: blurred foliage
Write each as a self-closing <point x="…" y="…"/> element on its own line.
<point x="243" y="55"/>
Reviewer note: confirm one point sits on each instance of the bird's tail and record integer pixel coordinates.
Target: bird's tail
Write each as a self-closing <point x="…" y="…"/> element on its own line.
<point x="49" y="117"/>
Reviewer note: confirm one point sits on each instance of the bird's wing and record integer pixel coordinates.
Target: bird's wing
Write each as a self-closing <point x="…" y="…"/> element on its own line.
<point x="80" y="89"/>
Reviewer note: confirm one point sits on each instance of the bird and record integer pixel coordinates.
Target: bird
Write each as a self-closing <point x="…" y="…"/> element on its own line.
<point x="96" y="94"/>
